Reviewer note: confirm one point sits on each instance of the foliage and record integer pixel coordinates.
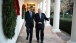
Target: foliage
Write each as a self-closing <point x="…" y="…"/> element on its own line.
<point x="23" y="13"/>
<point x="51" y="21"/>
<point x="67" y="16"/>
<point x="9" y="18"/>
<point x="66" y="6"/>
<point x="65" y="24"/>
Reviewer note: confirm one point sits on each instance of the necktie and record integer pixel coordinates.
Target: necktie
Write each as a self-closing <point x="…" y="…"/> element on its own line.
<point x="30" y="14"/>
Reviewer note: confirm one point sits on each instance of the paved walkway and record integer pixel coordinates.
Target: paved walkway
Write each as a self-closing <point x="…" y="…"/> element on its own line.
<point x="49" y="36"/>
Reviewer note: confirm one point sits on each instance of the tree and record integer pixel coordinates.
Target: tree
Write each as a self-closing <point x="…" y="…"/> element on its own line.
<point x="65" y="6"/>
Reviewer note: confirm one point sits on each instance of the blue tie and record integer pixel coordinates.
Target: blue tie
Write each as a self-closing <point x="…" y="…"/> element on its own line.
<point x="30" y="14"/>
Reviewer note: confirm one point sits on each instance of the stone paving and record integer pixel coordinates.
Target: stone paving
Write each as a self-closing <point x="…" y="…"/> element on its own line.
<point x="49" y="36"/>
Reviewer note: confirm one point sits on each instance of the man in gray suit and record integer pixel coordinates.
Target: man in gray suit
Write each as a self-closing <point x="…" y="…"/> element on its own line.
<point x="39" y="19"/>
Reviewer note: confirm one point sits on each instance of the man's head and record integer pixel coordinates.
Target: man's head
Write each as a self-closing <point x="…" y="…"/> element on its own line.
<point x="31" y="8"/>
<point x="39" y="10"/>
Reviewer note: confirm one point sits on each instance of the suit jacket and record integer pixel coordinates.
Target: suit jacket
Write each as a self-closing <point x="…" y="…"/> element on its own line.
<point x="37" y="19"/>
<point x="29" y="21"/>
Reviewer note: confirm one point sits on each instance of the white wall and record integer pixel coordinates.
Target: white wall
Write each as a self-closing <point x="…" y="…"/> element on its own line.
<point x="1" y="29"/>
<point x="18" y="26"/>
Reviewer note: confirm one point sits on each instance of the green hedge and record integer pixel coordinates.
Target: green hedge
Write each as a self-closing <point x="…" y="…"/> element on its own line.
<point x="23" y="13"/>
<point x="51" y="21"/>
<point x="9" y="18"/>
<point x="65" y="25"/>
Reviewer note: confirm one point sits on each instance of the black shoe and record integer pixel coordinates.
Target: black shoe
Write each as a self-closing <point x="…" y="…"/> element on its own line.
<point x="30" y="41"/>
<point x="26" y="38"/>
<point x="41" y="41"/>
<point x="38" y="41"/>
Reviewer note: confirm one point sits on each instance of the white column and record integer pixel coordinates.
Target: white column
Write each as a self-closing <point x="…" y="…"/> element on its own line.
<point x="48" y="12"/>
<point x="38" y="5"/>
<point x="43" y="6"/>
<point x="73" y="31"/>
<point x="56" y="16"/>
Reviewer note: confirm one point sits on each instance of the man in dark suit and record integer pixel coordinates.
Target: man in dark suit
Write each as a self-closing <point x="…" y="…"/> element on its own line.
<point x="29" y="15"/>
<point x="39" y="19"/>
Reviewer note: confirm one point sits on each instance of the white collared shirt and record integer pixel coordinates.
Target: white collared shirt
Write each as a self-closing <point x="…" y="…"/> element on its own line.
<point x="40" y="15"/>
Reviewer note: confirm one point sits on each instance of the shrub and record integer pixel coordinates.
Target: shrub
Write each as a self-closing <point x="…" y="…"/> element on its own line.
<point x="23" y="13"/>
<point x="65" y="25"/>
<point x="51" y="21"/>
<point x="9" y="18"/>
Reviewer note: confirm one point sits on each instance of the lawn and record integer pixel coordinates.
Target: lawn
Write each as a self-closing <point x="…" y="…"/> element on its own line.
<point x="66" y="17"/>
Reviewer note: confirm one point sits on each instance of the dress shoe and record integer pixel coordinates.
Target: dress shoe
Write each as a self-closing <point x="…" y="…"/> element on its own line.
<point x="41" y="41"/>
<point x="30" y="41"/>
<point x="26" y="38"/>
<point x="38" y="41"/>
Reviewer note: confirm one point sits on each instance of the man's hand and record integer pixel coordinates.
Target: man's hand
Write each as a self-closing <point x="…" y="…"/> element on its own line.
<point x="49" y="18"/>
<point x="39" y="22"/>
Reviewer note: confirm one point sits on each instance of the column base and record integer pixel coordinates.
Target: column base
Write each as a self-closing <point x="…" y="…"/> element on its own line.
<point x="47" y="23"/>
<point x="56" y="30"/>
<point x="70" y="41"/>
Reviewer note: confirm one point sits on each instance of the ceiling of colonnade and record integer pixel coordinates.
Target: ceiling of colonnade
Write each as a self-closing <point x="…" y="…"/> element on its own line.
<point x="33" y="0"/>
